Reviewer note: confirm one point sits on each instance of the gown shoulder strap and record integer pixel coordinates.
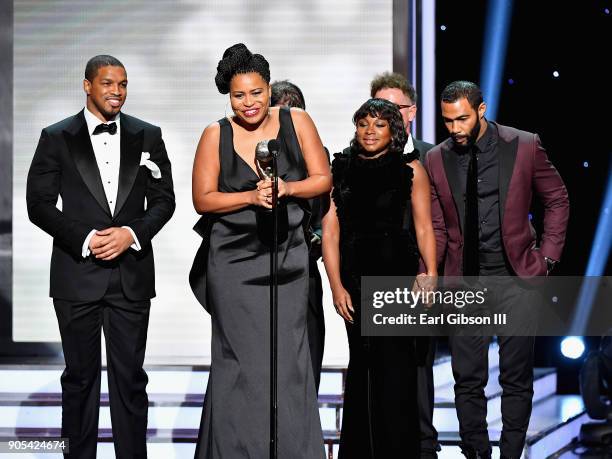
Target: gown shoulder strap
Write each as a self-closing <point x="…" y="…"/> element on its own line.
<point x="226" y="143"/>
<point x="289" y="136"/>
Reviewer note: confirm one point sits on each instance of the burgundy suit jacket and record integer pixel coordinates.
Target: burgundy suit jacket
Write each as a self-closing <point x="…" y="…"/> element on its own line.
<point x="524" y="169"/>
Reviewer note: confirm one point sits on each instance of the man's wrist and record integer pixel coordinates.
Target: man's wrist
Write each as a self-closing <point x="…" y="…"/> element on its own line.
<point x="85" y="249"/>
<point x="135" y="244"/>
<point x="550" y="263"/>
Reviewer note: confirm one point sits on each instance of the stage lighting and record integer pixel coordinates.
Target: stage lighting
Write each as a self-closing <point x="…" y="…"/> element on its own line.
<point x="597" y="263"/>
<point x="497" y="30"/>
<point x="596" y="391"/>
<point x="572" y="347"/>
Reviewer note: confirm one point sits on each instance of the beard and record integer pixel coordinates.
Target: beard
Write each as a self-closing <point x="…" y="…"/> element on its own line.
<point x="471" y="137"/>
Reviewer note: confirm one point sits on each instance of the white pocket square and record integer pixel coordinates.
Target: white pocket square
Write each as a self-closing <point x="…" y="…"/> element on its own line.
<point x="146" y="162"/>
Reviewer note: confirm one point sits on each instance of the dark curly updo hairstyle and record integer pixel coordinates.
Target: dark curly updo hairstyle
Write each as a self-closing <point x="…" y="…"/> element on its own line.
<point x="238" y="59"/>
<point x="381" y="108"/>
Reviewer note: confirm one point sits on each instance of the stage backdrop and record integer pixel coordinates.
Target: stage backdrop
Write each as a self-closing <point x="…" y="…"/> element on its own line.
<point x="170" y="50"/>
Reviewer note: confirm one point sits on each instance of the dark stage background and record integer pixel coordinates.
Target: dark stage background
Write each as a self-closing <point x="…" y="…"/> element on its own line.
<point x="568" y="111"/>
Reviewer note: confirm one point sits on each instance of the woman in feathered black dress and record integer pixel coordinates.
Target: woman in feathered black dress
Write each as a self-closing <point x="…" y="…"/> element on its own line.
<point x="378" y="224"/>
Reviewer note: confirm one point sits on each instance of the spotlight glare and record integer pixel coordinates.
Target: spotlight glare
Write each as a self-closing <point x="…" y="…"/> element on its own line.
<point x="442" y="27"/>
<point x="497" y="31"/>
<point x="556" y="74"/>
<point x="598" y="258"/>
<point x="572" y="347"/>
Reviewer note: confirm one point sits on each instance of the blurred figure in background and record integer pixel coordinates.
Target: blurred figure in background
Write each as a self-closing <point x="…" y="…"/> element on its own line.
<point x="285" y="93"/>
<point x="396" y="88"/>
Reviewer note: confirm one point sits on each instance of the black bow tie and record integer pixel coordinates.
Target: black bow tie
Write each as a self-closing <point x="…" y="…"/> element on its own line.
<point x="111" y="128"/>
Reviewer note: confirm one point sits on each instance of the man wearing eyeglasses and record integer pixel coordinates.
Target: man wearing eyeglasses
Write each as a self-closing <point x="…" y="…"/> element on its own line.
<point x="396" y="88"/>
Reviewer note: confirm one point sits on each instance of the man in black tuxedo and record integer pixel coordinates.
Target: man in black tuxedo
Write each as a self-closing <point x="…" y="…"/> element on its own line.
<point x="114" y="177"/>
<point x="396" y="88"/>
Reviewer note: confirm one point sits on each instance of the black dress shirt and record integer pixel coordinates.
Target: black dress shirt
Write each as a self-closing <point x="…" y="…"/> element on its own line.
<point x="488" y="189"/>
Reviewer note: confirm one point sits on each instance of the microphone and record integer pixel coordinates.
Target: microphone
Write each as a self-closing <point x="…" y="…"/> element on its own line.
<point x="264" y="151"/>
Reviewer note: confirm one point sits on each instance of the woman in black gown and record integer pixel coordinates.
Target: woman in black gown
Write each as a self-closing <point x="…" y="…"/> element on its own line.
<point x="228" y="190"/>
<point x="378" y="223"/>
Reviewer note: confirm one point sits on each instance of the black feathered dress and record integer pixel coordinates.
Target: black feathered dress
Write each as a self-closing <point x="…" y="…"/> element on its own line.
<point x="372" y="197"/>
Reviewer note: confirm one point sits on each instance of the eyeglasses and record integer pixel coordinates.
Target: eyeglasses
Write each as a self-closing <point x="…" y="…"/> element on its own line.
<point x="400" y="106"/>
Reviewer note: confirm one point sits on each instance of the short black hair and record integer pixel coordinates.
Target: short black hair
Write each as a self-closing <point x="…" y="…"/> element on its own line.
<point x="460" y="89"/>
<point x="394" y="81"/>
<point x="238" y="59"/>
<point x="286" y="93"/>
<point x="102" y="60"/>
<point x="383" y="109"/>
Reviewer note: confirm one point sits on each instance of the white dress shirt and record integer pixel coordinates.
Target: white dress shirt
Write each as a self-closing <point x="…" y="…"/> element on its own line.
<point x="409" y="147"/>
<point x="107" y="150"/>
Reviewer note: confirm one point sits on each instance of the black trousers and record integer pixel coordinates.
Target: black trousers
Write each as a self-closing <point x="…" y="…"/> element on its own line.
<point x="426" y="352"/>
<point x="380" y="415"/>
<point x="125" y="328"/>
<point x="315" y="320"/>
<point x="471" y="372"/>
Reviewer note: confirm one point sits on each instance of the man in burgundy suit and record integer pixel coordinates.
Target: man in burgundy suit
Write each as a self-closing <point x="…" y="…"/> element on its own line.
<point x="483" y="178"/>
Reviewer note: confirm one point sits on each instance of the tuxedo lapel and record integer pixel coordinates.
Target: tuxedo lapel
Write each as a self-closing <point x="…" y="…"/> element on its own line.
<point x="451" y="168"/>
<point x="507" y="157"/>
<point x="131" y="150"/>
<point x="419" y="149"/>
<point x="79" y="144"/>
<point x="422" y="148"/>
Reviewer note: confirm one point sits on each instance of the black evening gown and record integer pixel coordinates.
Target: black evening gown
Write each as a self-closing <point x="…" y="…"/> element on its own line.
<point x="235" y="420"/>
<point x="372" y="197"/>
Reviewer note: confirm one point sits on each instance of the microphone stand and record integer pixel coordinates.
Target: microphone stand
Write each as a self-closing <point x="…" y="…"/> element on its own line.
<point x="274" y="315"/>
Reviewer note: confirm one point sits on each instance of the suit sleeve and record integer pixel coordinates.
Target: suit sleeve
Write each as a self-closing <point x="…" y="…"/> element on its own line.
<point x="42" y="191"/>
<point x="159" y="194"/>
<point x="551" y="190"/>
<point x="437" y="219"/>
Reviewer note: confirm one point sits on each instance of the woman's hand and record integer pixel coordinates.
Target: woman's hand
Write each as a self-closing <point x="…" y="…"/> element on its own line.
<point x="425" y="283"/>
<point x="263" y="195"/>
<point x="343" y="303"/>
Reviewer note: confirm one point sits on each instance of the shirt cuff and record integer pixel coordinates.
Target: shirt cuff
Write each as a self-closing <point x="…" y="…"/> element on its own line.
<point x="136" y="244"/>
<point x="85" y="250"/>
